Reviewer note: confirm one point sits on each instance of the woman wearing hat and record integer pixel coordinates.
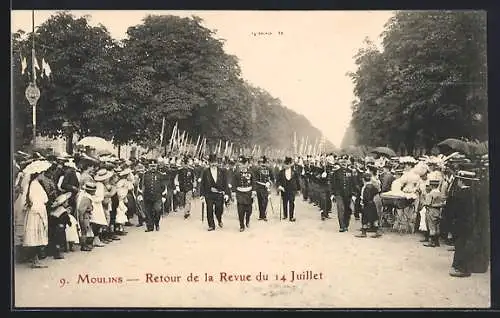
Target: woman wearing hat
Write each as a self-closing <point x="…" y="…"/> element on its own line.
<point x="122" y="188"/>
<point x="98" y="218"/>
<point x="36" y="219"/>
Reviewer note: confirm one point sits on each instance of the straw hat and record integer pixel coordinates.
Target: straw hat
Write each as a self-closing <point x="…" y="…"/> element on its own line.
<point x="90" y="186"/>
<point x="102" y="175"/>
<point x="125" y="172"/>
<point x="61" y="199"/>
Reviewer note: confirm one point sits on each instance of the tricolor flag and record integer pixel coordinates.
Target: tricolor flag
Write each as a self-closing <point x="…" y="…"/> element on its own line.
<point x="46" y="68"/>
<point x="24" y="64"/>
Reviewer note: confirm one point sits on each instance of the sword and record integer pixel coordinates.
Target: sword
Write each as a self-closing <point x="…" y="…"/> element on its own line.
<point x="271" y="201"/>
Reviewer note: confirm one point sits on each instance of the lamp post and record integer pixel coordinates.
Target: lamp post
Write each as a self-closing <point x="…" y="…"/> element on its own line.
<point x="32" y="92"/>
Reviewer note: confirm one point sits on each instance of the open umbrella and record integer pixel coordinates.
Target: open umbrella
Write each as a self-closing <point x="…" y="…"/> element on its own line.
<point x="478" y="149"/>
<point x="101" y="145"/>
<point x="384" y="151"/>
<point x="452" y="145"/>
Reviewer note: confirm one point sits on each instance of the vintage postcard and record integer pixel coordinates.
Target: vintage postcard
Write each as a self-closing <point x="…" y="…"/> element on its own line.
<point x="250" y="159"/>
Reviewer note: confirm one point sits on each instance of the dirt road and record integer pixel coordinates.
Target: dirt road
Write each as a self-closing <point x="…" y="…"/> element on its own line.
<point x="339" y="270"/>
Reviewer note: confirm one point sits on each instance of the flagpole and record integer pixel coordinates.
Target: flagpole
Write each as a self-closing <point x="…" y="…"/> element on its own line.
<point x="32" y="92"/>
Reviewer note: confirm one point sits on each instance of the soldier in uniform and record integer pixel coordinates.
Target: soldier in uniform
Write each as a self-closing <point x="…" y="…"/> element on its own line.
<point x="153" y="190"/>
<point x="185" y="183"/>
<point x="214" y="190"/>
<point x="245" y="192"/>
<point x="342" y="187"/>
<point x="263" y="185"/>
<point x="325" y="203"/>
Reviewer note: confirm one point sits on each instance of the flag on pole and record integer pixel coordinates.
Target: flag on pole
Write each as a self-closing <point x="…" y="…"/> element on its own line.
<point x="46" y="68"/>
<point x="162" y="125"/>
<point x="24" y="64"/>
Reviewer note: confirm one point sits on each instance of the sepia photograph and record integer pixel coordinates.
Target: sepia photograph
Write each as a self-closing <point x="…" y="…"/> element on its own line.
<point x="249" y="159"/>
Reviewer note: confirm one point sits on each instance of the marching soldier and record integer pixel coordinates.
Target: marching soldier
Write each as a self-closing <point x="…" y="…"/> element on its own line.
<point x="153" y="190"/>
<point x="263" y="186"/>
<point x="245" y="192"/>
<point x="214" y="190"/>
<point x="185" y="184"/>
<point x="342" y="187"/>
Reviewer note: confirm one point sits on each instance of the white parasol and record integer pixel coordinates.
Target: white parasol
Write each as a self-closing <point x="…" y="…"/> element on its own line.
<point x="37" y="167"/>
<point x="101" y="145"/>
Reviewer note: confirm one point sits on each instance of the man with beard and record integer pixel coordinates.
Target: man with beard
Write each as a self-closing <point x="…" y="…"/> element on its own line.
<point x="244" y="188"/>
<point x="214" y="190"/>
<point x="342" y="187"/>
<point x="262" y="187"/>
<point x="288" y="185"/>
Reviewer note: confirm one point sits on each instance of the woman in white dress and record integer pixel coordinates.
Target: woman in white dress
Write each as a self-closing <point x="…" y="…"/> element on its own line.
<point x="98" y="218"/>
<point x="36" y="219"/>
<point x="122" y="188"/>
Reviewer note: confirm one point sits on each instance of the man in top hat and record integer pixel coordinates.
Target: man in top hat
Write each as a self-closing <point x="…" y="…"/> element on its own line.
<point x="214" y="190"/>
<point x="244" y="185"/>
<point x="343" y="186"/>
<point x="288" y="184"/>
<point x="466" y="218"/>
<point x="153" y="188"/>
<point x="262" y="186"/>
<point x="185" y="183"/>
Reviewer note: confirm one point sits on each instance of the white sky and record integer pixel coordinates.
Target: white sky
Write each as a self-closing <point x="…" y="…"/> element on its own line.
<point x="305" y="67"/>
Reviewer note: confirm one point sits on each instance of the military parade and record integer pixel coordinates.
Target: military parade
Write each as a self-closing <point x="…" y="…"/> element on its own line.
<point x="150" y="169"/>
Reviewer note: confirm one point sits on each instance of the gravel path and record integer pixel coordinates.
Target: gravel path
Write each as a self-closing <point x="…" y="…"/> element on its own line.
<point x="152" y="269"/>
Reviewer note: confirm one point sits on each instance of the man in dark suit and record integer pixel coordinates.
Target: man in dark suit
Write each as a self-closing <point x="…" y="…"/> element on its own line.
<point x="342" y="187"/>
<point x="214" y="190"/>
<point x="288" y="184"/>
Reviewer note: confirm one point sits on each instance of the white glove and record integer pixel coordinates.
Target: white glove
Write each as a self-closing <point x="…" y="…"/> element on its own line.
<point x="175" y="191"/>
<point x="139" y="197"/>
<point x="202" y="199"/>
<point x="323" y="175"/>
<point x="163" y="200"/>
<point x="280" y="188"/>
<point x="268" y="184"/>
<point x="332" y="197"/>
<point x="226" y="197"/>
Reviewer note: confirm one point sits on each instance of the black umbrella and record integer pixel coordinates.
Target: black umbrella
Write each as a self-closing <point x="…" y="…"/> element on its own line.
<point x="451" y="145"/>
<point x="478" y="149"/>
<point x="385" y="151"/>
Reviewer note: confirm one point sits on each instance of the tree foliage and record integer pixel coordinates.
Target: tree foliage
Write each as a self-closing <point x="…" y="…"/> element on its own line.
<point x="427" y="84"/>
<point x="167" y="67"/>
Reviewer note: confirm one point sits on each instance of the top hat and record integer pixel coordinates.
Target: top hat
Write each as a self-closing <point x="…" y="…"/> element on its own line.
<point x="212" y="158"/>
<point x="243" y="159"/>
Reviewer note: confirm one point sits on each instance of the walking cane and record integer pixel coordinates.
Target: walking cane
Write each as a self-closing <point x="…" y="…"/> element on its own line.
<point x="202" y="211"/>
<point x="280" y="206"/>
